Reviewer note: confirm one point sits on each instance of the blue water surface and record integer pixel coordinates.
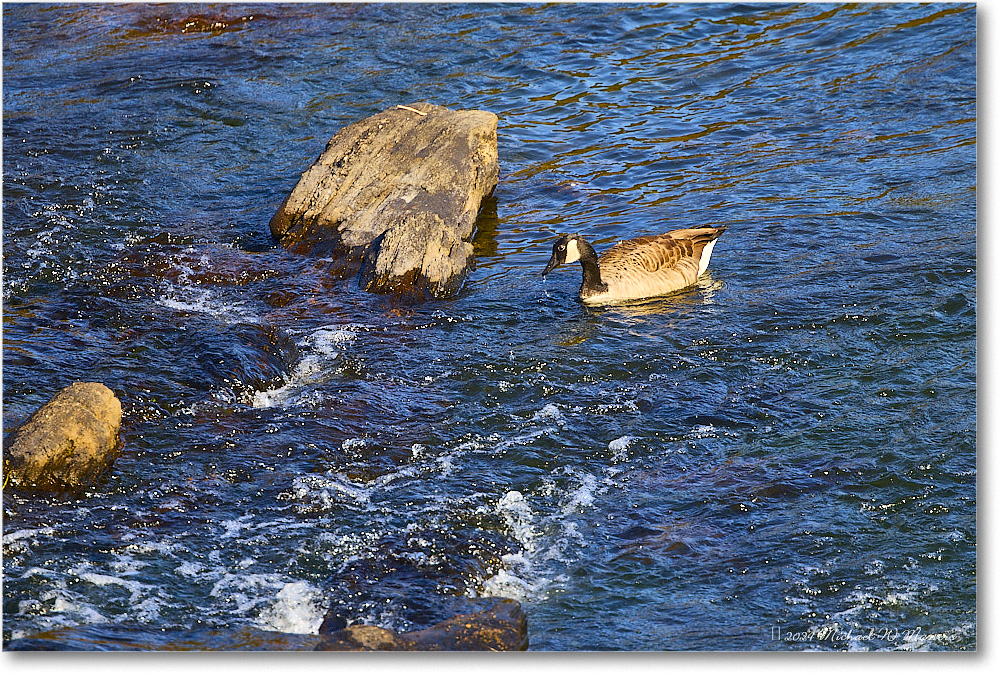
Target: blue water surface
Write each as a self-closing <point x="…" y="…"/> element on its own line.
<point x="780" y="458"/>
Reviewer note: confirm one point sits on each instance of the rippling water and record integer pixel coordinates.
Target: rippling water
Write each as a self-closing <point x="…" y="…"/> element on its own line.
<point x="782" y="458"/>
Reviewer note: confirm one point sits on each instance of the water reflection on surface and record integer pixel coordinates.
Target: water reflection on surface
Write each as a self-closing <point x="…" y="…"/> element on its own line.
<point x="789" y="443"/>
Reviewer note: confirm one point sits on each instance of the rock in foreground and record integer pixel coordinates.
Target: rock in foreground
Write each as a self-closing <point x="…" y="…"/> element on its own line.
<point x="501" y="626"/>
<point x="397" y="195"/>
<point x="68" y="443"/>
<point x="137" y="637"/>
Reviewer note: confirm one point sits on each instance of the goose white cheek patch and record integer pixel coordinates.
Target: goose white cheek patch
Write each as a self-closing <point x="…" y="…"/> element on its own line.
<point x="572" y="251"/>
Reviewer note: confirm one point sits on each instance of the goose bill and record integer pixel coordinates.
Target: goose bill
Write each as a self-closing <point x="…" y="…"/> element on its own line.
<point x="553" y="263"/>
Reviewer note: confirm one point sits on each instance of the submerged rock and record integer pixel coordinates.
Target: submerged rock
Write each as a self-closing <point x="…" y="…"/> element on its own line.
<point x="68" y="443"/>
<point x="397" y="195"/>
<point x="137" y="637"/>
<point x="500" y="626"/>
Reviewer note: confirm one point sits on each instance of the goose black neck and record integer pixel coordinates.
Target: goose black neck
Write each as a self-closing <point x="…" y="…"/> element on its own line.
<point x="591" y="270"/>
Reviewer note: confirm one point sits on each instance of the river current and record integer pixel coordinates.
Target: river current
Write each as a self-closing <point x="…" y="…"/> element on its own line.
<point x="780" y="458"/>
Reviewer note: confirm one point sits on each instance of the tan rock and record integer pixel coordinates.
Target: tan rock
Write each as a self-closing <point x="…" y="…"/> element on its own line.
<point x="396" y="195"/>
<point x="68" y="443"/>
<point x="500" y="626"/>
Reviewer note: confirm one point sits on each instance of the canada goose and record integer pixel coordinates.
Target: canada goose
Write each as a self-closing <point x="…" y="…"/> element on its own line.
<point x="643" y="267"/>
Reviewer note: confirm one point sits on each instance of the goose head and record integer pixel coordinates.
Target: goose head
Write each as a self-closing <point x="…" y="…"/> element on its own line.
<point x="565" y="250"/>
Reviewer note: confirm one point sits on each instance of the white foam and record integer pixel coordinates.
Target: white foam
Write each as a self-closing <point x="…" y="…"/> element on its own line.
<point x="547" y="532"/>
<point x="134" y="588"/>
<point x="101" y="579"/>
<point x="235" y="527"/>
<point x="39" y="572"/>
<point x="619" y="447"/>
<point x="17" y="535"/>
<point x="528" y="573"/>
<point x="21" y="541"/>
<point x="446" y="464"/>
<point x="899" y="598"/>
<point x="352" y="444"/>
<point x="314" y="492"/>
<point x="549" y="413"/>
<point x="874" y="568"/>
<point x="514" y="580"/>
<point x="157" y="547"/>
<point x="126" y="565"/>
<point x="197" y="300"/>
<point x="298" y="608"/>
<point x="61" y="604"/>
<point x="320" y="351"/>
<point x="245" y="590"/>
<point x="546" y="422"/>
<point x="148" y="610"/>
<point x="582" y="496"/>
<point x="191" y="569"/>
<point x="519" y="516"/>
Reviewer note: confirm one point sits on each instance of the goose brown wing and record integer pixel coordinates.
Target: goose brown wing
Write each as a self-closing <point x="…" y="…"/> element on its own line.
<point x="648" y="254"/>
<point x="656" y="264"/>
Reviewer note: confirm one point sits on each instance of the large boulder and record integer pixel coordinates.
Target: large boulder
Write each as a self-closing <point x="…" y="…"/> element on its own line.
<point x="396" y="195"/>
<point x="500" y="626"/>
<point x="68" y="443"/>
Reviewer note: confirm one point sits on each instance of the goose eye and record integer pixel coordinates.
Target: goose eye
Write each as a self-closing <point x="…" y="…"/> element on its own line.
<point x="562" y="247"/>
